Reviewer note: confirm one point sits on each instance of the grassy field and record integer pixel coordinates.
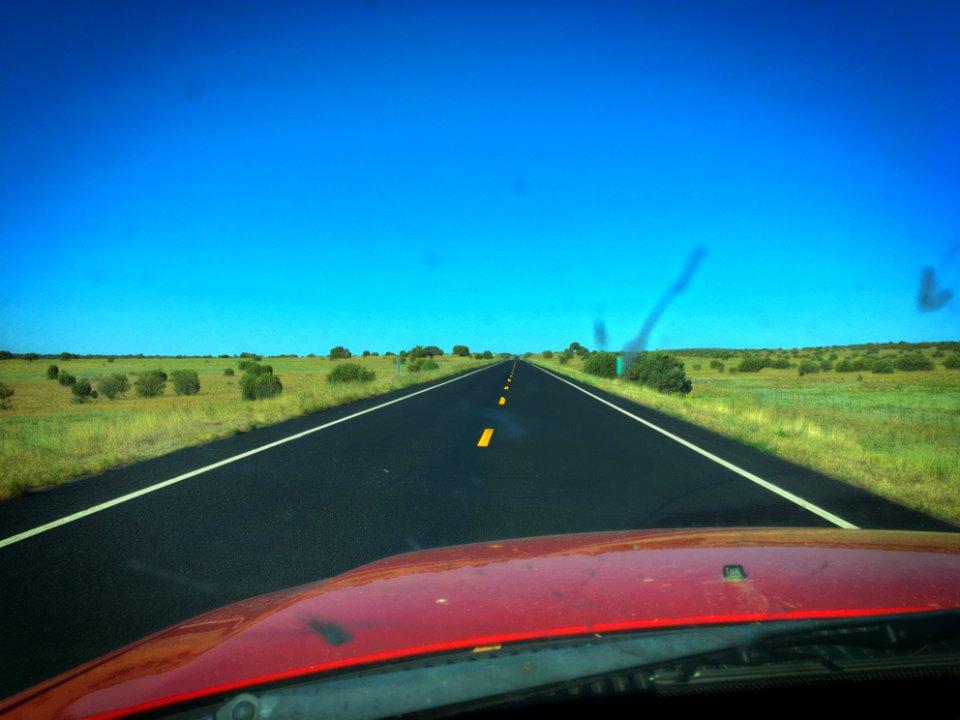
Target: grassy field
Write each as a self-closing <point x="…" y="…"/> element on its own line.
<point x="897" y="435"/>
<point x="46" y="438"/>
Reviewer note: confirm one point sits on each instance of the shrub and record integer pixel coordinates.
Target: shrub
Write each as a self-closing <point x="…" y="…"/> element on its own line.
<point x="843" y="366"/>
<point x="421" y="364"/>
<point x="228" y="372"/>
<point x="339" y="353"/>
<point x="863" y="363"/>
<point x="601" y="364"/>
<point x="487" y="355"/>
<point x="547" y="354"/>
<point x="260" y="387"/>
<point x="883" y="367"/>
<point x="112" y="386"/>
<point x="151" y="383"/>
<point x="350" y="372"/>
<point x="661" y="371"/>
<point x="751" y="364"/>
<point x="185" y="382"/>
<point x="697" y="367"/>
<point x="566" y="355"/>
<point x="461" y="350"/>
<point x="52" y="372"/>
<point x="366" y="353"/>
<point x="248" y="366"/>
<point x="780" y="363"/>
<point x="717" y="365"/>
<point x="564" y="359"/>
<point x="826" y="365"/>
<point x="66" y="379"/>
<point x="478" y="356"/>
<point x="952" y="362"/>
<point x="6" y="393"/>
<point x="808" y="367"/>
<point x="81" y="390"/>
<point x="914" y="361"/>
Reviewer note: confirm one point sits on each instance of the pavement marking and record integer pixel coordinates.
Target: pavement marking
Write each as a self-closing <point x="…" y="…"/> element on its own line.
<point x="786" y="494"/>
<point x="199" y="471"/>
<point x="503" y="401"/>
<point x="506" y="387"/>
<point x="485" y="438"/>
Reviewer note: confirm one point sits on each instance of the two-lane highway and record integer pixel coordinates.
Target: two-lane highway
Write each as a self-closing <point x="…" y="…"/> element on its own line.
<point x="507" y="451"/>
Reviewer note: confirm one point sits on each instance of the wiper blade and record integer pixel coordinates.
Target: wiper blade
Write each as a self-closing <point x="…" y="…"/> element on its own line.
<point x="464" y="682"/>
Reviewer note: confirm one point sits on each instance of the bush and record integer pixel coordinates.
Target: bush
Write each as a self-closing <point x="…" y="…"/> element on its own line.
<point x="601" y="364"/>
<point x="564" y="359"/>
<point x="185" y="382"/>
<point x="547" y="354"/>
<point x="339" y="353"/>
<point x="661" y="371"/>
<point x="843" y="366"/>
<point x="478" y="356"/>
<point x="826" y="365"/>
<point x="6" y="393"/>
<point x="883" y="367"/>
<point x="81" y="391"/>
<point x="863" y="363"/>
<point x="808" y="367"/>
<point x="248" y="366"/>
<point x="914" y="361"/>
<point x="52" y="372"/>
<point x="260" y="387"/>
<point x="461" y="350"/>
<point x="751" y="364"/>
<point x="487" y="355"/>
<point x="350" y="372"/>
<point x="717" y="365"/>
<point x="66" y="379"/>
<point x="113" y="386"/>
<point x="421" y="364"/>
<point x="228" y="372"/>
<point x="952" y="362"/>
<point x="152" y="383"/>
<point x="780" y="363"/>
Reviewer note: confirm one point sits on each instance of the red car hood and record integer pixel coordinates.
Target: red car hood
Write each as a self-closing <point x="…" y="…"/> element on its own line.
<point x="476" y="596"/>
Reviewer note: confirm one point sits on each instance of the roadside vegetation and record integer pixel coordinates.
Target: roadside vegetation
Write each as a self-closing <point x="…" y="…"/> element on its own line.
<point x="885" y="417"/>
<point x="85" y="415"/>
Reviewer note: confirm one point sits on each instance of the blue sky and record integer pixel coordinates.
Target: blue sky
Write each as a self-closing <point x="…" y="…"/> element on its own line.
<point x="206" y="177"/>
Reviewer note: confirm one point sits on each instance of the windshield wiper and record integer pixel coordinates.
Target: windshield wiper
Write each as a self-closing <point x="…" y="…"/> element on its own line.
<point x="665" y="660"/>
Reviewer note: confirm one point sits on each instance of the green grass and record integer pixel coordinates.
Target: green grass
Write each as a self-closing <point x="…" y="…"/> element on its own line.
<point x="47" y="439"/>
<point x="896" y="435"/>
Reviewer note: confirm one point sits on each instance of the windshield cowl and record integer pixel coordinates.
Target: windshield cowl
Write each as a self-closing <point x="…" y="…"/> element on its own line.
<point x="489" y="594"/>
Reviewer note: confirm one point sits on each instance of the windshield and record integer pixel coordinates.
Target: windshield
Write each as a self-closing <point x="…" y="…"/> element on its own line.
<point x="288" y="288"/>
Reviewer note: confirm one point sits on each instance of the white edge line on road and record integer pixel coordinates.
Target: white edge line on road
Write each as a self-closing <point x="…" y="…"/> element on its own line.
<point x="806" y="505"/>
<point x="199" y="471"/>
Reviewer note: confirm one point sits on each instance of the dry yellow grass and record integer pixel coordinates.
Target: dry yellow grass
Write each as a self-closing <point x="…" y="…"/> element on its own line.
<point x="895" y="435"/>
<point x="46" y="438"/>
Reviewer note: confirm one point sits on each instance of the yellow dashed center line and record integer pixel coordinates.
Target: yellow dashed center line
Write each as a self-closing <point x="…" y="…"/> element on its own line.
<point x="485" y="438"/>
<point x="506" y="387"/>
<point x="503" y="401"/>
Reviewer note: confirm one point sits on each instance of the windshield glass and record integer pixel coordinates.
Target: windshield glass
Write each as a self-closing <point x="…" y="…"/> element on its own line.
<point x="288" y="288"/>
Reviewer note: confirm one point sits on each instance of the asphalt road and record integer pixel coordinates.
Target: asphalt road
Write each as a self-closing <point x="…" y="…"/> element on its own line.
<point x="375" y="479"/>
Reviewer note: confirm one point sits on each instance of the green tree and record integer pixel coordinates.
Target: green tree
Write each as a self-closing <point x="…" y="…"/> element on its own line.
<point x="113" y="386"/>
<point x="952" y="362"/>
<point x="461" y="350"/>
<point x="339" y="353"/>
<point x="601" y="364"/>
<point x="912" y="362"/>
<point x="547" y="354"/>
<point x="661" y="371"/>
<point x="6" y="392"/>
<point x="883" y="367"/>
<point x="487" y="355"/>
<point x="751" y="364"/>
<point x="151" y="383"/>
<point x="260" y="387"/>
<point x="82" y="391"/>
<point x="52" y="372"/>
<point x="66" y="379"/>
<point x="185" y="382"/>
<point x="808" y="367"/>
